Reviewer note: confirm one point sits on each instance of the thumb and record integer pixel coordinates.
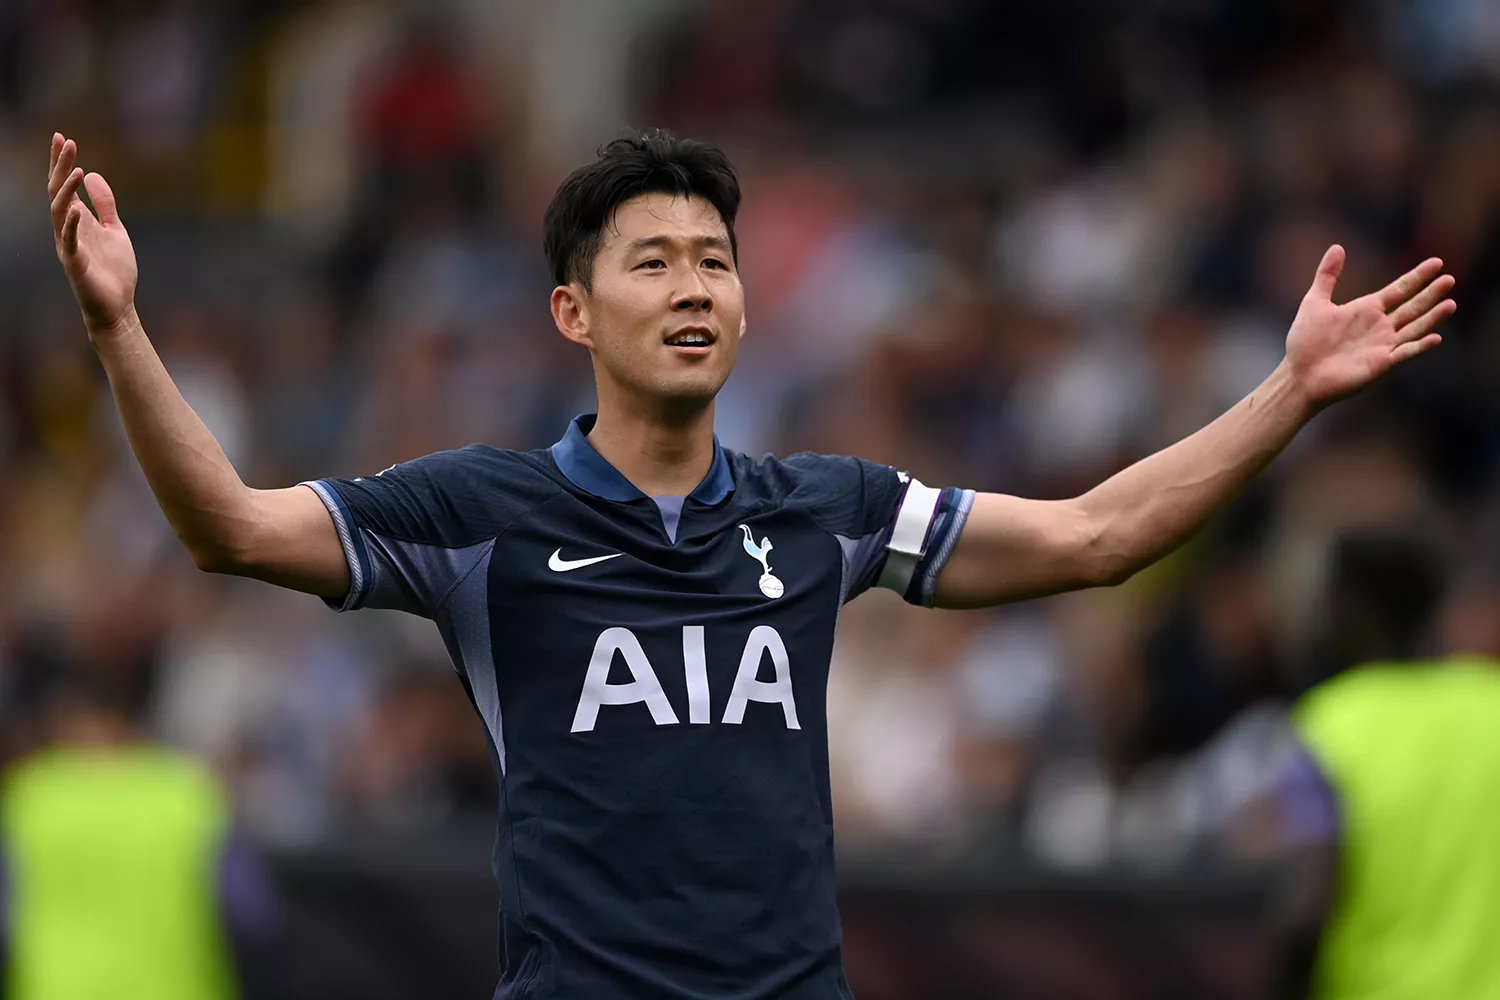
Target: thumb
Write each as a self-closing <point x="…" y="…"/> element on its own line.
<point x="103" y="199"/>
<point x="1329" y="270"/>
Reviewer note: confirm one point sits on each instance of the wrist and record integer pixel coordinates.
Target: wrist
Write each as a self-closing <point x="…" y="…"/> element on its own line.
<point x="121" y="326"/>
<point x="1287" y="390"/>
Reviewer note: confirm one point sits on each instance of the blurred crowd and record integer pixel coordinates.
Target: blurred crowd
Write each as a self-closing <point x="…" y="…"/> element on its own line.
<point x="1009" y="247"/>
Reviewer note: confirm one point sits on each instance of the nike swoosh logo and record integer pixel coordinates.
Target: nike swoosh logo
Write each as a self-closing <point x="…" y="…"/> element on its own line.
<point x="560" y="565"/>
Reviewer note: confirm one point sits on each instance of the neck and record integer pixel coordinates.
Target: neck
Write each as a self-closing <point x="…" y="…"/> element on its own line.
<point x="663" y="455"/>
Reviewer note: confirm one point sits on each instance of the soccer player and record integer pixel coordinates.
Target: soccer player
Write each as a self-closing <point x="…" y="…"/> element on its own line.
<point x="643" y="618"/>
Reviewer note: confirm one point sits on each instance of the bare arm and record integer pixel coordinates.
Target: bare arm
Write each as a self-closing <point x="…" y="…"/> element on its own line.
<point x="1012" y="548"/>
<point x="283" y="536"/>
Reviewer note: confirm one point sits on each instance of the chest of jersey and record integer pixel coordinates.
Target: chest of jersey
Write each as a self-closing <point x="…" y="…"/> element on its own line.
<point x="730" y="624"/>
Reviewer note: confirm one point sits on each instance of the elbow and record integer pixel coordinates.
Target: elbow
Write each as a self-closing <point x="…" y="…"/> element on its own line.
<point x="219" y="557"/>
<point x="211" y="558"/>
<point x="1113" y="572"/>
<point x="224" y="541"/>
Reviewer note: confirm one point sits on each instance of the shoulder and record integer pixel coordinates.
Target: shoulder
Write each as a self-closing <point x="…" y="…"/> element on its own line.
<point x="451" y="498"/>
<point x="1360" y="687"/>
<point x="1353" y="711"/>
<point x="473" y="472"/>
<point x="844" y="495"/>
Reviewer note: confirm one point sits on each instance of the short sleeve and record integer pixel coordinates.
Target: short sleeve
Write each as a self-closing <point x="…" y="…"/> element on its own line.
<point x="894" y="532"/>
<point x="1307" y="805"/>
<point x="412" y="532"/>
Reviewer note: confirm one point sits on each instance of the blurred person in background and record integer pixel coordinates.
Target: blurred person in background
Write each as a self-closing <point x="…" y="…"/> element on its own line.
<point x="122" y="875"/>
<point x="1389" y="817"/>
<point x="635" y="862"/>
<point x="419" y="129"/>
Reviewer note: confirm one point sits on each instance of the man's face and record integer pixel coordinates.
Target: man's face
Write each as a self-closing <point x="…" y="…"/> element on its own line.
<point x="666" y="313"/>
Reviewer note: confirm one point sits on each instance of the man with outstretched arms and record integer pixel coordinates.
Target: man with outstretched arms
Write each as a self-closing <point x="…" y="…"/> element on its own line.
<point x="643" y="618"/>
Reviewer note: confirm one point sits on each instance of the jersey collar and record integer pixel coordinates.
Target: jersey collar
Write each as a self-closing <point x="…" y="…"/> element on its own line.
<point x="588" y="470"/>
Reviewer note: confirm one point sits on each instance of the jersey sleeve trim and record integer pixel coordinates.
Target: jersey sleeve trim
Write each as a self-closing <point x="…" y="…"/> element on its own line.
<point x="352" y="541"/>
<point x="909" y="532"/>
<point x="953" y="514"/>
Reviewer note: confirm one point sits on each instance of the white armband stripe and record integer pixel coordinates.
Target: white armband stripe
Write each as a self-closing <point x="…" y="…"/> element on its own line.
<point x="908" y="535"/>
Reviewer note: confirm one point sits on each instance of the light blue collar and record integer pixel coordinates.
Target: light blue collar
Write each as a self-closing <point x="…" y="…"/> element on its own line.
<point x="588" y="470"/>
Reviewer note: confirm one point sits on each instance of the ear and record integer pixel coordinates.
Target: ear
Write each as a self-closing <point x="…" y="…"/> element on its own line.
<point x="570" y="311"/>
<point x="742" y="325"/>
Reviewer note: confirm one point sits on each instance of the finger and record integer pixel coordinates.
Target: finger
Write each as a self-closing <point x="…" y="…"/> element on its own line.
<point x="70" y="227"/>
<point x="55" y="147"/>
<point x="65" y="197"/>
<point x="1408" y="284"/>
<point x="67" y="158"/>
<point x="1329" y="270"/>
<point x="103" y="199"/>
<point x="1428" y="321"/>
<point x="1410" y="349"/>
<point x="1424" y="300"/>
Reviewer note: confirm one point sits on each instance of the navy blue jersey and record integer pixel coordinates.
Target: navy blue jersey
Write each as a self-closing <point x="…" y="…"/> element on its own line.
<point x="652" y="673"/>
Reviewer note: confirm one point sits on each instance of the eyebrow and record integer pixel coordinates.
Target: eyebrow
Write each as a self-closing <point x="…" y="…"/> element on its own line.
<point x="658" y="242"/>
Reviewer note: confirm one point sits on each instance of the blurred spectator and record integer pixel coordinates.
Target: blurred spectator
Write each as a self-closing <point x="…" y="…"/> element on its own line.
<point x="418" y="138"/>
<point x="162" y="52"/>
<point x="418" y="760"/>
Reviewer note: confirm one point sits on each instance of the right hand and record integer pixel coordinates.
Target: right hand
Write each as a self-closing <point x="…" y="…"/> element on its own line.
<point x="96" y="254"/>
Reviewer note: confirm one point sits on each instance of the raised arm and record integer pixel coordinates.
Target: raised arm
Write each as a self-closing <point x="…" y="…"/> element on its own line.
<point x="285" y="536"/>
<point x="1012" y="548"/>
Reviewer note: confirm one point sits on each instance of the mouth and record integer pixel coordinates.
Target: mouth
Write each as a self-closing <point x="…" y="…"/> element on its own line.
<point x="691" y="340"/>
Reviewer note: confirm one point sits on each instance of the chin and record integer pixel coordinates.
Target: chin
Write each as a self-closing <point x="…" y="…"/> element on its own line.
<point x="696" y="388"/>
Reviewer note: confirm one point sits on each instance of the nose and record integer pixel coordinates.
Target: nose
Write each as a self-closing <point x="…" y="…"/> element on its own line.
<point x="692" y="295"/>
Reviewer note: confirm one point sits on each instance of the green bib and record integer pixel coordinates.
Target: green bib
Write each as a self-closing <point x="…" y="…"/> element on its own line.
<point x="111" y="857"/>
<point x="1413" y="751"/>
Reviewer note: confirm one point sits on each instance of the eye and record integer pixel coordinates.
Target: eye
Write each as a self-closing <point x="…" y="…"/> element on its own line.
<point x="654" y="264"/>
<point x="715" y="262"/>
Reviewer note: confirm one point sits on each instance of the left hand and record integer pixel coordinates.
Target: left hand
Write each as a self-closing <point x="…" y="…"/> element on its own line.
<point x="1335" y="350"/>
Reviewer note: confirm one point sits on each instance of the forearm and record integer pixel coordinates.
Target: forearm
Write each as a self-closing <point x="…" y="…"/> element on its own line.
<point x="205" y="501"/>
<point x="1012" y="548"/>
<point x="1147" y="510"/>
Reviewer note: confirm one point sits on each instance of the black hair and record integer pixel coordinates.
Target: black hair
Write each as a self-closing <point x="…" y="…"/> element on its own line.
<point x="1383" y="590"/>
<point x="1396" y="579"/>
<point x="98" y="690"/>
<point x="655" y="162"/>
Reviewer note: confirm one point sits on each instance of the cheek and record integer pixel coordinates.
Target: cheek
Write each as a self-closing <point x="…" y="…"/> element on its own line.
<point x="638" y="321"/>
<point x="624" y="329"/>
